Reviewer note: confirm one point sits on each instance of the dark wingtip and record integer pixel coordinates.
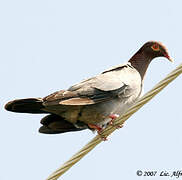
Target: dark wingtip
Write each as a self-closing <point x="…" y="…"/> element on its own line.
<point x="29" y="105"/>
<point x="46" y="130"/>
<point x="9" y="106"/>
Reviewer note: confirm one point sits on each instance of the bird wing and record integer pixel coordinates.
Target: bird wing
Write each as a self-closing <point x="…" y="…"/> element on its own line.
<point x="103" y="87"/>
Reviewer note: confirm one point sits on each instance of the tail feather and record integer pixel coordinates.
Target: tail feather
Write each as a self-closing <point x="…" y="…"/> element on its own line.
<point x="30" y="105"/>
<point x="54" y="124"/>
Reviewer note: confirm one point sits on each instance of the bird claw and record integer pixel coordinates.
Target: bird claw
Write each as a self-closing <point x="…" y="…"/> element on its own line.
<point x="111" y="122"/>
<point x="99" y="131"/>
<point x="119" y="126"/>
<point x="95" y="127"/>
<point x="113" y="117"/>
<point x="104" y="138"/>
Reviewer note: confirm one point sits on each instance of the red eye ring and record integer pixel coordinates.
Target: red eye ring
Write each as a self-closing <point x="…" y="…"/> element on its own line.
<point x="155" y="47"/>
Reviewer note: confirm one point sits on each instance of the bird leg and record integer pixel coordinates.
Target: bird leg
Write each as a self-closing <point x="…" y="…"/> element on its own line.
<point x="98" y="129"/>
<point x="95" y="127"/>
<point x="113" y="117"/>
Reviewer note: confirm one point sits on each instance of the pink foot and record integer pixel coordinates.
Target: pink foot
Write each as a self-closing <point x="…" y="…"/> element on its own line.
<point x="113" y="117"/>
<point x="99" y="130"/>
<point x="119" y="126"/>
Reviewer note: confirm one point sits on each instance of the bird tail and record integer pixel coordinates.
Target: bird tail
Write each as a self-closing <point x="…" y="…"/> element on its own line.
<point x="29" y="105"/>
<point x="54" y="124"/>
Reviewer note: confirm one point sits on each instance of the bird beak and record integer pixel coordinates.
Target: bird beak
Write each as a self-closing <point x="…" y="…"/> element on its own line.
<point x="168" y="57"/>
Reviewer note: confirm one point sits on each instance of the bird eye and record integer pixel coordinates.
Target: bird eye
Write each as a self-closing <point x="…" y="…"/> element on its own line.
<point x="155" y="47"/>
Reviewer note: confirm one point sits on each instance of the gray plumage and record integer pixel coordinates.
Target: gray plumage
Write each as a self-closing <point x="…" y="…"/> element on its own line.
<point x="92" y="101"/>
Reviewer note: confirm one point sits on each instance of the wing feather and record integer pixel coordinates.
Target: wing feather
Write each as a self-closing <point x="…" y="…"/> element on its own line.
<point x="110" y="84"/>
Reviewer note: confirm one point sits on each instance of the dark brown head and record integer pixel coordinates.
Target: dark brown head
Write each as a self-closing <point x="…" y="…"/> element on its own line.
<point x="155" y="49"/>
<point x="146" y="53"/>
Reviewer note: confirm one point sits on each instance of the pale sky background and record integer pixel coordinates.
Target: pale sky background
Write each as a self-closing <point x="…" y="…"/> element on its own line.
<point x="46" y="46"/>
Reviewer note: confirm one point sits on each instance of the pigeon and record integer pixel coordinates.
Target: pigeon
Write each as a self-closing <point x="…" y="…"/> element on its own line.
<point x="94" y="102"/>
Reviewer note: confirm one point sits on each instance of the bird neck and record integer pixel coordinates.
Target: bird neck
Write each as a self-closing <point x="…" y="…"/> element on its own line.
<point x="141" y="61"/>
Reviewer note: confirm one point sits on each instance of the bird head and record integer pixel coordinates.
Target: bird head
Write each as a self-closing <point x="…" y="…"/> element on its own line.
<point x="155" y="49"/>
